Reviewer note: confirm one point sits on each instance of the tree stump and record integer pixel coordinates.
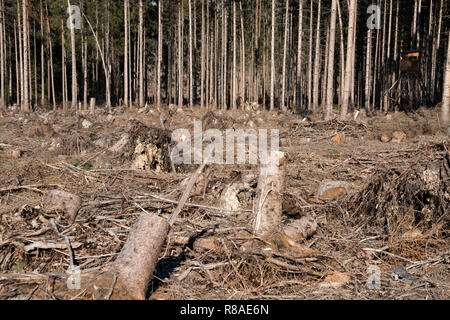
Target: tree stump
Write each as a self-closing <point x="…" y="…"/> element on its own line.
<point x="92" y="105"/>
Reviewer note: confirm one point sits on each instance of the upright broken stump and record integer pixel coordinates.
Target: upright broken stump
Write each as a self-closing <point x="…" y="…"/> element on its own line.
<point x="137" y="261"/>
<point x="267" y="209"/>
<point x="92" y="105"/>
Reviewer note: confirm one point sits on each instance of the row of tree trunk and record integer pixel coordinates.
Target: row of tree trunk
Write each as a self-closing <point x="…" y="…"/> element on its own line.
<point x="237" y="59"/>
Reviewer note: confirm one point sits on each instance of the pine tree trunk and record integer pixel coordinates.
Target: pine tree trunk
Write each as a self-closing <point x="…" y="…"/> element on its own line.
<point x="446" y="97"/>
<point x="17" y="64"/>
<point x="299" y="56"/>
<point x="368" y="75"/>
<point x="42" y="58"/>
<point x="203" y="63"/>
<point x="224" y="57"/>
<point x="50" y="48"/>
<point x="272" y="61"/>
<point x="191" y="72"/>
<point x="243" y="75"/>
<point x="234" y="76"/>
<point x="74" y="62"/>
<point x="64" y="77"/>
<point x="180" y="55"/>
<point x="25" y="102"/>
<point x="126" y="55"/>
<point x="330" y="82"/>
<point x="309" y="85"/>
<point x="317" y="63"/>
<point x="2" y="62"/>
<point x="436" y="48"/>
<point x="349" y="62"/>
<point x="85" y="62"/>
<point x="160" y="39"/>
<point x="141" y="54"/>
<point x="283" y="80"/>
<point x="342" y="56"/>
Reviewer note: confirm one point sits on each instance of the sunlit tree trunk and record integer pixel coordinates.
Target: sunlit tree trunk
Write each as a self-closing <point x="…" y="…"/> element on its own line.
<point x="330" y="82"/>
<point x="349" y="62"/>
<point x="283" y="76"/>
<point x="446" y="97"/>
<point x="299" y="55"/>
<point x="317" y="63"/>
<point x="74" y="62"/>
<point x="272" y="59"/>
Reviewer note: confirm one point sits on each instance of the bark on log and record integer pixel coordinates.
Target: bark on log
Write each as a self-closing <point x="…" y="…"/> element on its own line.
<point x="139" y="256"/>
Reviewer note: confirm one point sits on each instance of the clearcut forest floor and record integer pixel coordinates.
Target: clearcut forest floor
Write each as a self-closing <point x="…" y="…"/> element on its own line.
<point x="394" y="214"/>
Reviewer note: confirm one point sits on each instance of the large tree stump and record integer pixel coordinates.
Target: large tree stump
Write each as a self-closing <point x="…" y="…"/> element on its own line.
<point x="267" y="210"/>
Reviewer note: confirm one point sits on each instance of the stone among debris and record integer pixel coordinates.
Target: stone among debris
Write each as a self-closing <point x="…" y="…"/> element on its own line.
<point x="229" y="199"/>
<point x="338" y="138"/>
<point x="57" y="200"/>
<point x="398" y="136"/>
<point x="336" y="280"/>
<point x="332" y="189"/>
<point x="15" y="154"/>
<point x="86" y="124"/>
<point x="384" y="138"/>
<point x="301" y="229"/>
<point x="120" y="145"/>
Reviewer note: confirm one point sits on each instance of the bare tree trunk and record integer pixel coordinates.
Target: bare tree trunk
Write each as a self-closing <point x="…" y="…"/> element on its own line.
<point x="317" y="63"/>
<point x="368" y="75"/>
<point x="436" y="48"/>
<point x="25" y="102"/>
<point x="204" y="46"/>
<point x="330" y="82"/>
<point x="446" y="97"/>
<point x="224" y="57"/>
<point x="234" y="79"/>
<point x="180" y="55"/>
<point x="126" y="54"/>
<point x="272" y="59"/>
<point x="208" y="56"/>
<point x="85" y="63"/>
<point x="18" y="72"/>
<point x="35" y="63"/>
<point x="243" y="76"/>
<point x="396" y="41"/>
<point x="64" y="76"/>
<point x="349" y="63"/>
<point x="342" y="55"/>
<point x="21" y="68"/>
<point x="141" y="54"/>
<point x="309" y="85"/>
<point x="299" y="55"/>
<point x="283" y="80"/>
<point x="42" y="58"/>
<point x="50" y="48"/>
<point x="191" y="72"/>
<point x="160" y="39"/>
<point x="216" y="45"/>
<point x="74" y="61"/>
<point x="2" y="62"/>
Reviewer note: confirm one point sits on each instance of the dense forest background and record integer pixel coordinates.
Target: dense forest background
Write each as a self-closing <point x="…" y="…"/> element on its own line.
<point x="316" y="55"/>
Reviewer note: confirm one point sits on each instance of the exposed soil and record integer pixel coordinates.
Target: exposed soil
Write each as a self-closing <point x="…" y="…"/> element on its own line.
<point x="394" y="213"/>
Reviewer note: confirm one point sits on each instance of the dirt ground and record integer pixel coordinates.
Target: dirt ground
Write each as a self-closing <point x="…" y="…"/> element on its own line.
<point x="392" y="217"/>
